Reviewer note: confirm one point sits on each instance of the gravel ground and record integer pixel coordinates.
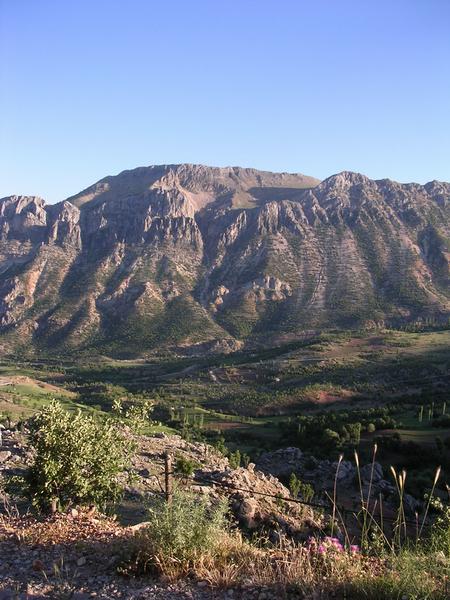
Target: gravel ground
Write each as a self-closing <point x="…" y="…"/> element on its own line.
<point x="75" y="556"/>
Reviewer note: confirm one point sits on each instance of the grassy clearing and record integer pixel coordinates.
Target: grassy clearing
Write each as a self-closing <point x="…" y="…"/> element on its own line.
<point x="21" y="396"/>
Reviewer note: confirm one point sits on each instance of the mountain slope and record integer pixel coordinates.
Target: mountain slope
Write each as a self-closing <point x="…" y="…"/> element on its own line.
<point x="186" y="255"/>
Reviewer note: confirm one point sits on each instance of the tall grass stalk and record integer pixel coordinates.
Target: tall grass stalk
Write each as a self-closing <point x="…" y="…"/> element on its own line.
<point x="335" y="493"/>
<point x="430" y="496"/>
<point x="369" y="514"/>
<point x="400" y="521"/>
<point x="364" y="529"/>
<point x="374" y="453"/>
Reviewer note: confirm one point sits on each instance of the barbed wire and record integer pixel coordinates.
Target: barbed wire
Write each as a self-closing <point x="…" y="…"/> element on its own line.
<point x="317" y="505"/>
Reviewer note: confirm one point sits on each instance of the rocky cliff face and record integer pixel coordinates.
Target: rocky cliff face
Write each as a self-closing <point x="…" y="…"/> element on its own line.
<point x="186" y="255"/>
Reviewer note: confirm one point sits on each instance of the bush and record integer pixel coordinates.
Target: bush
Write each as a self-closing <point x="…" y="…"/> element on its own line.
<point x="235" y="460"/>
<point x="185" y="466"/>
<point x="180" y="533"/>
<point x="78" y="459"/>
<point x="294" y="485"/>
<point x="297" y="487"/>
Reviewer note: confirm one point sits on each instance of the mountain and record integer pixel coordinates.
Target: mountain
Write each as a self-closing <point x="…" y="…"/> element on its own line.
<point x="188" y="256"/>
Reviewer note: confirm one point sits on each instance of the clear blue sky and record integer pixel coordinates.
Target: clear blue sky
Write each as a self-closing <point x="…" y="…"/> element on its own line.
<point x="92" y="87"/>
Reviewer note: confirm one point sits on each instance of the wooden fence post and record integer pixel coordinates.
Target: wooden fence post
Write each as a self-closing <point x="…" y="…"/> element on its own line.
<point x="168" y="477"/>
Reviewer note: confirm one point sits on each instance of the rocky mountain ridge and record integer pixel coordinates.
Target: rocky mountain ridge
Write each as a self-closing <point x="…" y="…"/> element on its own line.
<point x="186" y="256"/>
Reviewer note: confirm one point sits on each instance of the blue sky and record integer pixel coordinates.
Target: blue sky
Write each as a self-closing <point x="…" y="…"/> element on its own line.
<point x="92" y="87"/>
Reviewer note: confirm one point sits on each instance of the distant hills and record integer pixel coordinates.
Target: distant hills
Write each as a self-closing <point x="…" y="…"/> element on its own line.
<point x="196" y="259"/>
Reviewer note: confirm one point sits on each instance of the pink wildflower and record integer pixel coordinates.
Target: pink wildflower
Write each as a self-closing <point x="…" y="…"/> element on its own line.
<point x="333" y="541"/>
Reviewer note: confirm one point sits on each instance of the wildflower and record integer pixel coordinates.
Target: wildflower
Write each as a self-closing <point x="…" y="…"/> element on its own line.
<point x="335" y="541"/>
<point x="321" y="549"/>
<point x="354" y="549"/>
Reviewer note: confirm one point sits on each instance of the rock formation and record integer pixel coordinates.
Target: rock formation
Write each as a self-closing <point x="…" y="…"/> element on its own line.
<point x="187" y="256"/>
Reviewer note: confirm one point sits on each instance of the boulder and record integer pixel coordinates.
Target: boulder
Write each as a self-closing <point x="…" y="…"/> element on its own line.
<point x="367" y="475"/>
<point x="4" y="456"/>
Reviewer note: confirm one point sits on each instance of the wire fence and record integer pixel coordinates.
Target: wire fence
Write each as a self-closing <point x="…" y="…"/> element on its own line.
<point x="328" y="506"/>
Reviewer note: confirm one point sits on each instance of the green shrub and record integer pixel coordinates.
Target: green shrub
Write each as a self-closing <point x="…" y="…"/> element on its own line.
<point x="179" y="533"/>
<point x="297" y="487"/>
<point x="235" y="459"/>
<point x="78" y="459"/>
<point x="245" y="460"/>
<point x="294" y="485"/>
<point x="185" y="466"/>
<point x="136" y="416"/>
<point x="440" y="531"/>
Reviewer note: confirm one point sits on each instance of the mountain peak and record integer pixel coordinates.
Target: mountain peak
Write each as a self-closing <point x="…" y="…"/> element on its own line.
<point x="346" y="179"/>
<point x="190" y="256"/>
<point x="193" y="178"/>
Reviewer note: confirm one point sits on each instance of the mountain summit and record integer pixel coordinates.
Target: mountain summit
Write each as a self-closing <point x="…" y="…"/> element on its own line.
<point x="178" y="256"/>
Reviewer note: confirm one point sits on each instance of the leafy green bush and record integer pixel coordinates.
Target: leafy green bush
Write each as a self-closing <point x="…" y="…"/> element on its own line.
<point x="185" y="466"/>
<point x="179" y="533"/>
<point x="135" y="415"/>
<point x="245" y="460"/>
<point x="78" y="459"/>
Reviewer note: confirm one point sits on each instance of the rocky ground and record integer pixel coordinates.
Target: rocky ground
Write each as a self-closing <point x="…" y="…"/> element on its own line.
<point x="77" y="555"/>
<point x="322" y="473"/>
<point x="74" y="555"/>
<point x="80" y="554"/>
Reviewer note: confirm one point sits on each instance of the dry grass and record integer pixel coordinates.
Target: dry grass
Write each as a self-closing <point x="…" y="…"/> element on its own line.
<point x="390" y="565"/>
<point x="319" y="569"/>
<point x="236" y="562"/>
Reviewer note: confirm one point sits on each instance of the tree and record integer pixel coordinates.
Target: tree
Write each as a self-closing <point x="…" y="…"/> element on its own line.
<point x="354" y="430"/>
<point x="78" y="459"/>
<point x="330" y="439"/>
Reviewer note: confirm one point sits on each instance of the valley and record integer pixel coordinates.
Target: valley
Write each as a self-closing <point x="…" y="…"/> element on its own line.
<point x="394" y="384"/>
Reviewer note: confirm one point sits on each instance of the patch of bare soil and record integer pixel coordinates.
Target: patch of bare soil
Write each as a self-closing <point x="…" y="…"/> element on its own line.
<point x="24" y="380"/>
<point x="324" y="397"/>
